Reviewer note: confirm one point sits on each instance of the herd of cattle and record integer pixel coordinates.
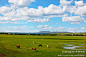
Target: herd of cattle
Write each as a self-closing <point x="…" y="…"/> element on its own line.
<point x="18" y="46"/>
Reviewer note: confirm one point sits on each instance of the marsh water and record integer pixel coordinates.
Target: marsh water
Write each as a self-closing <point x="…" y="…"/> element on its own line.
<point x="70" y="46"/>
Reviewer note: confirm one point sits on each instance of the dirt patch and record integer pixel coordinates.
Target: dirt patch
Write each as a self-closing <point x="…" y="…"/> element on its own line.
<point x="2" y="41"/>
<point x="2" y="55"/>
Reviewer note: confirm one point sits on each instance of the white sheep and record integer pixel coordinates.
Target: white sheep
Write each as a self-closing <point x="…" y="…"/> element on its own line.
<point x="48" y="46"/>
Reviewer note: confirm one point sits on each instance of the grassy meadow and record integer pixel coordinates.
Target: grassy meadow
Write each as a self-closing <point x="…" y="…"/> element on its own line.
<point x="8" y="46"/>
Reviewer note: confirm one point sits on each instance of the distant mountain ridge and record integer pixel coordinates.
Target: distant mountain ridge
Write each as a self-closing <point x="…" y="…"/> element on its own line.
<point x="40" y="32"/>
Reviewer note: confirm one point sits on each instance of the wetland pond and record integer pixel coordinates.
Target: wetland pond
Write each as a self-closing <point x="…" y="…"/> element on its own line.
<point x="70" y="46"/>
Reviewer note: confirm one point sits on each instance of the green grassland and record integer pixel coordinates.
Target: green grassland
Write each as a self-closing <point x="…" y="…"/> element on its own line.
<point x="8" y="45"/>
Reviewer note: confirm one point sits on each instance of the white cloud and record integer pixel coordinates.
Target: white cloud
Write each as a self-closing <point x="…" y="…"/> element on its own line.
<point x="60" y="27"/>
<point x="71" y="9"/>
<point x="42" y="26"/>
<point x="49" y="28"/>
<point x="4" y="18"/>
<point x="24" y="27"/>
<point x="75" y="22"/>
<point x="53" y="9"/>
<point x="72" y="29"/>
<point x="79" y="3"/>
<point x="34" y="15"/>
<point x="39" y="20"/>
<point x="83" y="28"/>
<point x="80" y="10"/>
<point x="21" y="3"/>
<point x="4" y="22"/>
<point x="50" y="11"/>
<point x="73" y="19"/>
<point x="84" y="20"/>
<point x="46" y="27"/>
<point x="65" y="2"/>
<point x="4" y="9"/>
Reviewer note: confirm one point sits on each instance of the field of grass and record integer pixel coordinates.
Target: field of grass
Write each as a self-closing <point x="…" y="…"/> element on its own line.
<point x="8" y="46"/>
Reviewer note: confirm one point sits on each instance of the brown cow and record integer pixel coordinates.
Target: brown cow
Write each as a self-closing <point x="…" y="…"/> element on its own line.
<point x="18" y="46"/>
<point x="33" y="49"/>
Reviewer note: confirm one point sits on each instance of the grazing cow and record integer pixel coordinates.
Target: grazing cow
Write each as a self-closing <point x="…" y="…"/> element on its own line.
<point x="18" y="46"/>
<point x="33" y="49"/>
<point x="40" y="45"/>
<point x="26" y="48"/>
<point x="48" y="46"/>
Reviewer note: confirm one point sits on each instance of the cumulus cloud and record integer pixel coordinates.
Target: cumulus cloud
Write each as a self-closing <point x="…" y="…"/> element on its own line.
<point x="83" y="28"/>
<point x="60" y="27"/>
<point x="80" y="10"/>
<point x="42" y="26"/>
<point x="73" y="19"/>
<point x="24" y="27"/>
<point x="21" y="3"/>
<point x="46" y="25"/>
<point x="34" y="15"/>
<point x="75" y="22"/>
<point x="71" y="9"/>
<point x="73" y="29"/>
<point x="79" y="3"/>
<point x="4" y="9"/>
<point x="50" y="27"/>
<point x="39" y="20"/>
<point x="65" y="2"/>
<point x="4" y="18"/>
<point x="50" y="11"/>
<point x="4" y="22"/>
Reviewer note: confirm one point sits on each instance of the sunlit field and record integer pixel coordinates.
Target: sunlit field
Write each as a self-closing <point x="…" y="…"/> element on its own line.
<point x="56" y="46"/>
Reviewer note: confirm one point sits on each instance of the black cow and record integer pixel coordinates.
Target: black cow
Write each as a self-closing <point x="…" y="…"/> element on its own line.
<point x="40" y="45"/>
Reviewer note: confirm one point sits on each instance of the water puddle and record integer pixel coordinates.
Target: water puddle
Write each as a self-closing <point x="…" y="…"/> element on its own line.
<point x="70" y="46"/>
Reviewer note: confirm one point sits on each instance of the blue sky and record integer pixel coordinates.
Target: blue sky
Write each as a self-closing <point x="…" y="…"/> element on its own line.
<point x="42" y="15"/>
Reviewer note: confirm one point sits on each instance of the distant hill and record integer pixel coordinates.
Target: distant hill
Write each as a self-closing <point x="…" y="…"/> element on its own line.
<point x="40" y="32"/>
